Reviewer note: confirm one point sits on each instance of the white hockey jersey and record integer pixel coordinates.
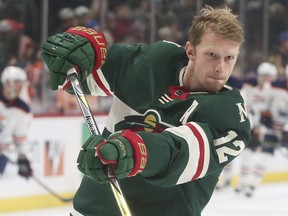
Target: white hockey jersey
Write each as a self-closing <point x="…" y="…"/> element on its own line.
<point x="266" y="101"/>
<point x="15" y="118"/>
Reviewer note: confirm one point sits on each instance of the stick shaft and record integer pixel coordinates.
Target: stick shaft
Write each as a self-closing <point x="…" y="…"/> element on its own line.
<point x="93" y="128"/>
<point x="51" y="191"/>
<point x="43" y="185"/>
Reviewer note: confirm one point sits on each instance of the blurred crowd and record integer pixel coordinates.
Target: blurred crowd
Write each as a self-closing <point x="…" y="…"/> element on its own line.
<point x="127" y="22"/>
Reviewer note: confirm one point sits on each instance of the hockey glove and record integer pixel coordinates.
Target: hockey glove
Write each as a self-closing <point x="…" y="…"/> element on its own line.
<point x="78" y="47"/>
<point x="126" y="152"/>
<point x="266" y="119"/>
<point x="24" y="167"/>
<point x="285" y="139"/>
<point x="3" y="162"/>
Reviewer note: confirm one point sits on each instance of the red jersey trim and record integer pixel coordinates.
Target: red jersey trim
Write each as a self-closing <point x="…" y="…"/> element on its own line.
<point x="201" y="151"/>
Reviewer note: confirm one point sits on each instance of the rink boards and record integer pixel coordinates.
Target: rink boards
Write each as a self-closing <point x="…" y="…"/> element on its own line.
<point x="53" y="148"/>
<point x="54" y="143"/>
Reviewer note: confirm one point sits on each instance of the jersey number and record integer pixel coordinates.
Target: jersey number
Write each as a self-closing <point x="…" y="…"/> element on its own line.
<point x="224" y="151"/>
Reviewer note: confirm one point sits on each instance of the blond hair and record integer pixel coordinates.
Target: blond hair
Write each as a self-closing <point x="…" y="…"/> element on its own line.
<point x="220" y="21"/>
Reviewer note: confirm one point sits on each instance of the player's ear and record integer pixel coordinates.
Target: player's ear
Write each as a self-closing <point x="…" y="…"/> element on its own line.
<point x="190" y="51"/>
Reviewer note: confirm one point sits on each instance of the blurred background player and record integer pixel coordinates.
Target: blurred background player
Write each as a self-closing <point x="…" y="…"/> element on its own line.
<point x="267" y="107"/>
<point x="284" y="113"/>
<point x="284" y="142"/>
<point x="85" y="17"/>
<point x="15" y="120"/>
<point x="67" y="18"/>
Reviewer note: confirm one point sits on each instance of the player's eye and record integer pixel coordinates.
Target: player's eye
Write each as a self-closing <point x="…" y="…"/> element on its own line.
<point x="211" y="54"/>
<point x="229" y="57"/>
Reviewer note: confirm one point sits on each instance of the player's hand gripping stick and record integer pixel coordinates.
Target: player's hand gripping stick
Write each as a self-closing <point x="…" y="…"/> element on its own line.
<point x="93" y="128"/>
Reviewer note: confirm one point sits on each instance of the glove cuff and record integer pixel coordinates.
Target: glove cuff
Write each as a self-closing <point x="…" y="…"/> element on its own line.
<point x="139" y="151"/>
<point x="97" y="40"/>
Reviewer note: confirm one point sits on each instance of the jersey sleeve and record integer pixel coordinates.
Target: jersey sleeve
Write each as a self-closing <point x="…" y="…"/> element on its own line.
<point x="126" y="63"/>
<point x="279" y="107"/>
<point x="198" y="148"/>
<point x="254" y="115"/>
<point x="20" y="133"/>
<point x="119" y="61"/>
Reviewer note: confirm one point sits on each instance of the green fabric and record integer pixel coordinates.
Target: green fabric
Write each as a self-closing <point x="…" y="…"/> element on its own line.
<point x="117" y="150"/>
<point x="63" y="51"/>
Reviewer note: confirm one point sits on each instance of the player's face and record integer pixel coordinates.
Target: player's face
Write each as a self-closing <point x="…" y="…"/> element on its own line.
<point x="262" y="79"/>
<point x="210" y="63"/>
<point x="12" y="88"/>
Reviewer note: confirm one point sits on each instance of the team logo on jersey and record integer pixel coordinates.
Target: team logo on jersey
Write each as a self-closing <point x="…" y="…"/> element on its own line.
<point x="174" y="92"/>
<point x="242" y="112"/>
<point x="149" y="122"/>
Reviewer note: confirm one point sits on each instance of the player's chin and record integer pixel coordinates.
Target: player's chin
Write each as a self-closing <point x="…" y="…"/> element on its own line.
<point x="214" y="86"/>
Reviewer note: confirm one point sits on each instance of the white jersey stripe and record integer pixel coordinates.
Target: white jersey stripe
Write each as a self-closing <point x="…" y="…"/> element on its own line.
<point x="75" y="213"/>
<point x="95" y="89"/>
<point x="198" y="148"/>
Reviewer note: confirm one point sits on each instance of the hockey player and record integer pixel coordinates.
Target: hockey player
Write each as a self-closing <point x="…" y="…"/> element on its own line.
<point x="284" y="112"/>
<point x="174" y="123"/>
<point x="15" y="119"/>
<point x="267" y="107"/>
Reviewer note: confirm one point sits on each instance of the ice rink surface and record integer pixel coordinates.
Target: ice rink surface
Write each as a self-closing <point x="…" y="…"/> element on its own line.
<point x="268" y="200"/>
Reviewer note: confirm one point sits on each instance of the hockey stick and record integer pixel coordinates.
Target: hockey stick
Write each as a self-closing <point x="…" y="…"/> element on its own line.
<point x="62" y="199"/>
<point x="93" y="128"/>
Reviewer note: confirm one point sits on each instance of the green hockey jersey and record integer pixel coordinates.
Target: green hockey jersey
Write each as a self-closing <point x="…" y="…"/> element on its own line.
<point x="190" y="136"/>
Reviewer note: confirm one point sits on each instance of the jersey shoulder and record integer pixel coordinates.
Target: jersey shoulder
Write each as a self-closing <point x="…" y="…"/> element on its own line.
<point x="142" y="65"/>
<point x="160" y="51"/>
<point x="225" y="109"/>
<point x="17" y="103"/>
<point x="168" y="51"/>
